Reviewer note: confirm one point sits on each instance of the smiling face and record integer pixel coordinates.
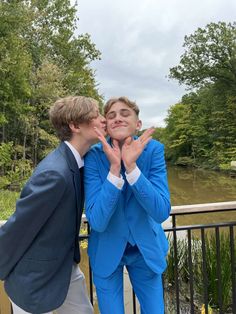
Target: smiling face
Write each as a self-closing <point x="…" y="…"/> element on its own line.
<point x="122" y="121"/>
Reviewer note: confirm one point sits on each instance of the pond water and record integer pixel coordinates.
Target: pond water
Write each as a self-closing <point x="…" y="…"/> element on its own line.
<point x="196" y="186"/>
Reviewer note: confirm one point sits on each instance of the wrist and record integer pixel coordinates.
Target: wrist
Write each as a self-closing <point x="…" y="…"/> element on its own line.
<point x="130" y="168"/>
<point x="115" y="170"/>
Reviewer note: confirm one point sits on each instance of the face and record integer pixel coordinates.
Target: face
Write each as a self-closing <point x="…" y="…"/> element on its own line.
<point x="122" y="121"/>
<point x="87" y="129"/>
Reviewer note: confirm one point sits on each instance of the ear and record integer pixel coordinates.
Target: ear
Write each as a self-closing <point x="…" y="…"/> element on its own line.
<point x="74" y="128"/>
<point x="139" y="125"/>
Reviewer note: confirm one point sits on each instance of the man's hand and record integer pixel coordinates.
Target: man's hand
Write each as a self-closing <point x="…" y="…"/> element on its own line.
<point x="132" y="149"/>
<point x="113" y="153"/>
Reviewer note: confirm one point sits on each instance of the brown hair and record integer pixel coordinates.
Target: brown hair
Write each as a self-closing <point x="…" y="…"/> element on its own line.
<point x="123" y="99"/>
<point x="76" y="110"/>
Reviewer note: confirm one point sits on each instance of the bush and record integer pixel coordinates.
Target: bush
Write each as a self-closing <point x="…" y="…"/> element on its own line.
<point x="184" y="162"/>
<point x="7" y="203"/>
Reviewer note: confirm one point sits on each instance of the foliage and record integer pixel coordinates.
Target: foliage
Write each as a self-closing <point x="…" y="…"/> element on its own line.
<point x="5" y="154"/>
<point x="180" y="262"/>
<point x="210" y="56"/>
<point x="176" y="262"/>
<point x="41" y="59"/>
<point x="202" y="126"/>
<point x="7" y="203"/>
<point x="212" y="270"/>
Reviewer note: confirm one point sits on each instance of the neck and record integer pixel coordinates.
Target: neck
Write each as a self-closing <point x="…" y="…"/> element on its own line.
<point x="80" y="145"/>
<point x="121" y="142"/>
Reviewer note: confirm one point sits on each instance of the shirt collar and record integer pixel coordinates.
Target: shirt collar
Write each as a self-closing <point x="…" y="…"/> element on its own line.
<point x="79" y="160"/>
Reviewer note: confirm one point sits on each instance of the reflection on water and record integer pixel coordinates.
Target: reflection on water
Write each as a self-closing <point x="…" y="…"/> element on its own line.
<point x="187" y="186"/>
<point x="195" y="186"/>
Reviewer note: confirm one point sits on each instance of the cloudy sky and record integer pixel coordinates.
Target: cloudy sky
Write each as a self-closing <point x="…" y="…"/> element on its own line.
<point x="140" y="40"/>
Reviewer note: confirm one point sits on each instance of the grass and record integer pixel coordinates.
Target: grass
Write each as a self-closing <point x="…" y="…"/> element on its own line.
<point x="7" y="203"/>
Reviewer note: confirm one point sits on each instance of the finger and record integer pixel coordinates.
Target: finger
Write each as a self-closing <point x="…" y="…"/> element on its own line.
<point x="128" y="140"/>
<point x="146" y="134"/>
<point x="97" y="131"/>
<point x="145" y="142"/>
<point x="101" y="137"/>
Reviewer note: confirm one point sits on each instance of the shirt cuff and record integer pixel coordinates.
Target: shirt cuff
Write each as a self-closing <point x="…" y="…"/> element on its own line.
<point x="133" y="176"/>
<point x="117" y="181"/>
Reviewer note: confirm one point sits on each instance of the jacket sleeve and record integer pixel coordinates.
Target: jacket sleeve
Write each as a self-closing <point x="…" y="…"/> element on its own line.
<point x="152" y="193"/>
<point x="101" y="196"/>
<point x="38" y="200"/>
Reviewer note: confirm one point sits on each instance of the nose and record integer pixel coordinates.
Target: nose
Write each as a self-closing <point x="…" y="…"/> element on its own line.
<point x="118" y="118"/>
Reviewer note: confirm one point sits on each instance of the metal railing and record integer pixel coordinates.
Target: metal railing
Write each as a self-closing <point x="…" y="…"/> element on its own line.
<point x="181" y="289"/>
<point x="213" y="241"/>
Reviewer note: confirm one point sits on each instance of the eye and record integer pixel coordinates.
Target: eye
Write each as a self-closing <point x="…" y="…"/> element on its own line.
<point x="124" y="113"/>
<point x="111" y="115"/>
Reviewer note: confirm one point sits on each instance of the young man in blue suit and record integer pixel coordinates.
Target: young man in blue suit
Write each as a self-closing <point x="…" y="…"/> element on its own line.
<point x="39" y="249"/>
<point x="127" y="199"/>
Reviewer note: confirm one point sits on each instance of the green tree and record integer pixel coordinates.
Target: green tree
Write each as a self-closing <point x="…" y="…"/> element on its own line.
<point x="15" y="64"/>
<point x="178" y="141"/>
<point x="41" y="59"/>
<point x="209" y="57"/>
<point x="208" y="68"/>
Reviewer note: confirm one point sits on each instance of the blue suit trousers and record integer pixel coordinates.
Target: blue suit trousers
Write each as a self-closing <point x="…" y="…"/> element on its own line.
<point x="147" y="286"/>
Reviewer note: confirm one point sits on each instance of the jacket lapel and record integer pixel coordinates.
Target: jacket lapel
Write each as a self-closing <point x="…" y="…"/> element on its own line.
<point x="77" y="180"/>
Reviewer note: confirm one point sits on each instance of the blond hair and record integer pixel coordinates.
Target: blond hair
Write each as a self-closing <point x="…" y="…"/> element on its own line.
<point x="123" y="99"/>
<point x="71" y="109"/>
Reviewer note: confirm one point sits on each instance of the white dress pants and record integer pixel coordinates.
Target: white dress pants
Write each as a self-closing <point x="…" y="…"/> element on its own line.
<point x="76" y="302"/>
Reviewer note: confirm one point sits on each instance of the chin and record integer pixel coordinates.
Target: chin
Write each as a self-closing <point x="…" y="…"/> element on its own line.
<point x="119" y="138"/>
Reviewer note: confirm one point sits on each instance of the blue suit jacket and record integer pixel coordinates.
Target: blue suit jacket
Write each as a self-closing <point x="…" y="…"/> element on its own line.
<point x="139" y="209"/>
<point x="39" y="242"/>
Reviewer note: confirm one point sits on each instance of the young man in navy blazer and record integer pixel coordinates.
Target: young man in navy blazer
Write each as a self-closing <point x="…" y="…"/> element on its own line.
<point x="127" y="199"/>
<point x="39" y="249"/>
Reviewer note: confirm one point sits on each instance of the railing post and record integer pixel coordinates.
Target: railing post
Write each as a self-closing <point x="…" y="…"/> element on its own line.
<point x="90" y="271"/>
<point x="176" y="271"/>
<point x="204" y="270"/>
<point x="218" y="267"/>
<point x="190" y="264"/>
<point x="233" y="266"/>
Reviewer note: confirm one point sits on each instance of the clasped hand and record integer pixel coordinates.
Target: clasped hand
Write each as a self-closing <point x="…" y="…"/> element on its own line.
<point x="128" y="152"/>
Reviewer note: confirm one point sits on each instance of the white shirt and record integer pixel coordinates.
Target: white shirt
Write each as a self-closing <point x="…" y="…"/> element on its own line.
<point x="131" y="177"/>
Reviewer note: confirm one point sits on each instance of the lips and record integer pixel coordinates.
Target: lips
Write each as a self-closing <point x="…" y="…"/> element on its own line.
<point x="118" y="126"/>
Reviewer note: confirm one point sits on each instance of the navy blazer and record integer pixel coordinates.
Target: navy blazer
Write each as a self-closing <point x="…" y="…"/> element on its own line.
<point x="138" y="209"/>
<point x="39" y="242"/>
